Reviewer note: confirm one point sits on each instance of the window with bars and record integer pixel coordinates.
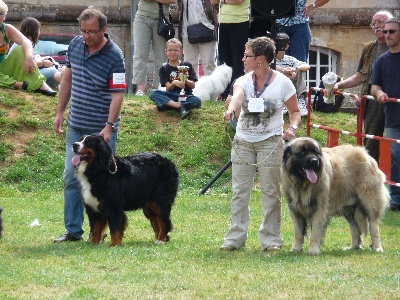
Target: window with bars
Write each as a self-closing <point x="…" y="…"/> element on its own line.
<point x="321" y="61"/>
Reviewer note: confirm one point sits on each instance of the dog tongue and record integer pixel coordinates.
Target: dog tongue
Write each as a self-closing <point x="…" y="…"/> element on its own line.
<point x="76" y="160"/>
<point x="311" y="175"/>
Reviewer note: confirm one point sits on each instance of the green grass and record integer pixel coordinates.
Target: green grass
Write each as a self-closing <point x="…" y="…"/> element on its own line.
<point x="190" y="266"/>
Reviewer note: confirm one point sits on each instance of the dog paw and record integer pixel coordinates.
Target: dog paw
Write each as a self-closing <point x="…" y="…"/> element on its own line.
<point x="159" y="242"/>
<point x="352" y="248"/>
<point x="296" y="249"/>
<point x="379" y="249"/>
<point x="313" y="251"/>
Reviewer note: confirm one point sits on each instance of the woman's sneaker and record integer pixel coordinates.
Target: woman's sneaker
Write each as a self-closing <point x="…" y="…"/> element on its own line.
<point x="228" y="248"/>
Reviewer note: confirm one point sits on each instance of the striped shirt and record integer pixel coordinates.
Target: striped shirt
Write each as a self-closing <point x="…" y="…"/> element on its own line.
<point x="94" y="78"/>
<point x="288" y="61"/>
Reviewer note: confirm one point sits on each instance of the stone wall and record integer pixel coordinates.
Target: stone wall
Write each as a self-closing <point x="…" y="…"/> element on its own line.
<point x="346" y="30"/>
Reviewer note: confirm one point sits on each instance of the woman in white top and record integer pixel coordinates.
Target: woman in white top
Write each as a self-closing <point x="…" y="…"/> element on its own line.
<point x="258" y="144"/>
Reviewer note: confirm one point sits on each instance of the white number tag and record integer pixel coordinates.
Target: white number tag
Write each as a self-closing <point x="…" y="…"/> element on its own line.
<point x="256" y="105"/>
<point x="118" y="78"/>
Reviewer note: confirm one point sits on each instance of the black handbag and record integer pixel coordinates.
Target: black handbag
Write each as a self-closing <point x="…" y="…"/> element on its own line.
<point x="198" y="33"/>
<point x="165" y="27"/>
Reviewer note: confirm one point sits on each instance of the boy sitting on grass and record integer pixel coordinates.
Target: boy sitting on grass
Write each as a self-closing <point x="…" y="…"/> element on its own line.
<point x="169" y="78"/>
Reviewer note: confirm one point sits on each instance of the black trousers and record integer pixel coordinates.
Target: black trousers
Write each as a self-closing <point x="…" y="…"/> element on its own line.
<point x="232" y="39"/>
<point x="374" y="123"/>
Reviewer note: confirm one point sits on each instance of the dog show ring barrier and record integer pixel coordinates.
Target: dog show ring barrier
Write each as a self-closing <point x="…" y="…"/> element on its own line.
<point x="385" y="153"/>
<point x="333" y="134"/>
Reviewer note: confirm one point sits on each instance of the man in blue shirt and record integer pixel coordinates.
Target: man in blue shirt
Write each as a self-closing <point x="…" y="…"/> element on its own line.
<point x="385" y="84"/>
<point x="94" y="81"/>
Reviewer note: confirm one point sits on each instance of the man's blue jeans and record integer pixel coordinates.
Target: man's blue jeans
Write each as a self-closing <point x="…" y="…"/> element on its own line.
<point x="49" y="74"/>
<point x="394" y="133"/>
<point x="73" y="204"/>
<point x="300" y="38"/>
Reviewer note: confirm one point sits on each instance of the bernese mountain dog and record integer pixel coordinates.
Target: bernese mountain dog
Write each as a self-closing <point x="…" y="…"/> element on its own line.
<point x="112" y="185"/>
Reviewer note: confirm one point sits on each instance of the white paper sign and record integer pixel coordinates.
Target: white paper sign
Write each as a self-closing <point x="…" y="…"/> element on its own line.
<point x="256" y="105"/>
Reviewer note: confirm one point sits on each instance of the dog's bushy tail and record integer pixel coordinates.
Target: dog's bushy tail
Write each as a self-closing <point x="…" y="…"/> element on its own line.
<point x="361" y="221"/>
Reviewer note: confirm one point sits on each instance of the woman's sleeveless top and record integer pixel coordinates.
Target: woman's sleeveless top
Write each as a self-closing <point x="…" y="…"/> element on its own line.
<point x="4" y="48"/>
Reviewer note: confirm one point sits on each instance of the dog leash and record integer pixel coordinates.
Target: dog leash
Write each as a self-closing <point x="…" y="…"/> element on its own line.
<point x="240" y="157"/>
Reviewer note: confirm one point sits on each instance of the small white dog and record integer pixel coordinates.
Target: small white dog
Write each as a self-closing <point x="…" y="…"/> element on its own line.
<point x="211" y="86"/>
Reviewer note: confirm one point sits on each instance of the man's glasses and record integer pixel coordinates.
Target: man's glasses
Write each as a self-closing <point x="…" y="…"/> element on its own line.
<point x="390" y="31"/>
<point x="173" y="50"/>
<point x="377" y="22"/>
<point x="89" y="33"/>
<point x="247" y="56"/>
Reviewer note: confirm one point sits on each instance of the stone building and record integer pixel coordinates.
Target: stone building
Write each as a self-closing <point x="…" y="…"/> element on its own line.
<point x="339" y="28"/>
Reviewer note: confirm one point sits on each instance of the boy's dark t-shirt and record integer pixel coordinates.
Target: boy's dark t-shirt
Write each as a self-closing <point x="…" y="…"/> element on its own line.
<point x="169" y="73"/>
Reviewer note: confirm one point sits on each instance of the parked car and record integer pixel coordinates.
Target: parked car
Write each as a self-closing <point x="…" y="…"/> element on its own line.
<point x="54" y="45"/>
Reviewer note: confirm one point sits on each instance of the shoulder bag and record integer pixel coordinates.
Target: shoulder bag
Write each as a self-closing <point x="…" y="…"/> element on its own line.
<point x="165" y="27"/>
<point x="199" y="33"/>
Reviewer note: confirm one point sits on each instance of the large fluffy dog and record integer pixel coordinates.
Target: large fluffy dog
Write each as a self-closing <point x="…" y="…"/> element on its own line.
<point x="211" y="86"/>
<point x="112" y="185"/>
<point x="320" y="183"/>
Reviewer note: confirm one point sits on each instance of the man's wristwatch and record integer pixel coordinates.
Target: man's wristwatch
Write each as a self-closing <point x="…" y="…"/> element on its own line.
<point x="112" y="124"/>
<point x="293" y="127"/>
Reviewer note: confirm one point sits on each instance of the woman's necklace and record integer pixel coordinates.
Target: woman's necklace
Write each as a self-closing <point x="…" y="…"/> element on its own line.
<point x="258" y="94"/>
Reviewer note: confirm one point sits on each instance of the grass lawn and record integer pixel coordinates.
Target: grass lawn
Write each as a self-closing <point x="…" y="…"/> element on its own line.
<point x="190" y="266"/>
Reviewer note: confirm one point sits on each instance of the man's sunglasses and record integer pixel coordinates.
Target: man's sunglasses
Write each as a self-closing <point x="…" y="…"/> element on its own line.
<point x="391" y="31"/>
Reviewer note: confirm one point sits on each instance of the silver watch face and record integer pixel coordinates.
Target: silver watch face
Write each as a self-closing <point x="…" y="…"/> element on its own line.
<point x="294" y="127"/>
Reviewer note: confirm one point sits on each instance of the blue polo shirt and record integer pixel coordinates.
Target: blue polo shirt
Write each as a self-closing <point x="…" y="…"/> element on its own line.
<point x="94" y="78"/>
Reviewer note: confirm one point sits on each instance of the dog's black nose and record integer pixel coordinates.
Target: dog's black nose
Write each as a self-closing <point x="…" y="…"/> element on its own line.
<point x="313" y="162"/>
